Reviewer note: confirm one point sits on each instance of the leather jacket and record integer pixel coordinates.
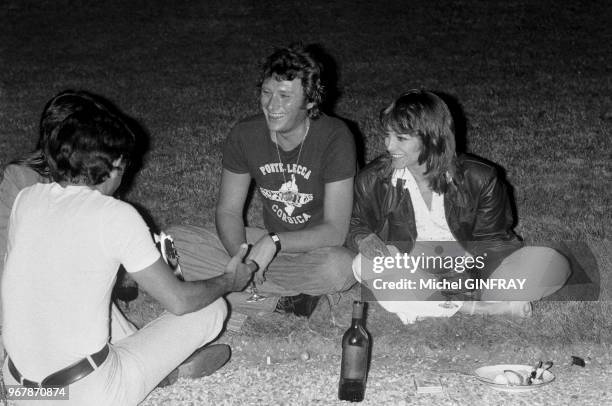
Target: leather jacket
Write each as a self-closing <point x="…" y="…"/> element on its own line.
<point x="476" y="203"/>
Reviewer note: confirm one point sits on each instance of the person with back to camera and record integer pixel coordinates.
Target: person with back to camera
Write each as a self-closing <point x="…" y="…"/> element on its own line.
<point x="66" y="240"/>
<point x="424" y="199"/>
<point x="33" y="168"/>
<point x="303" y="163"/>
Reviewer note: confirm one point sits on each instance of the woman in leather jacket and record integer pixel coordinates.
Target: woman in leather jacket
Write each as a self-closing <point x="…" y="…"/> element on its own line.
<point x="423" y="199"/>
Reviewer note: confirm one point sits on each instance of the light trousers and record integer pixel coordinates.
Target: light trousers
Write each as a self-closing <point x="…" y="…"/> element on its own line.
<point x="139" y="359"/>
<point x="320" y="271"/>
<point x="543" y="270"/>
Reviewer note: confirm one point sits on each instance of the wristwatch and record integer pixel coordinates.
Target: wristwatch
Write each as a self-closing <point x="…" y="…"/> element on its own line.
<point x="276" y="240"/>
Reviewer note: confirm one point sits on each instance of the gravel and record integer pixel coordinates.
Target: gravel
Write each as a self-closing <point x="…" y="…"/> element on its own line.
<point x="447" y="349"/>
<point x="248" y="380"/>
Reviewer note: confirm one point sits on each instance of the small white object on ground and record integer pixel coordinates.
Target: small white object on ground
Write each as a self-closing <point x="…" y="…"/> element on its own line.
<point x="500" y="379"/>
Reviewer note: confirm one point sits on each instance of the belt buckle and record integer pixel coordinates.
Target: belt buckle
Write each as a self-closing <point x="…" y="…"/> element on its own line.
<point x="29" y="384"/>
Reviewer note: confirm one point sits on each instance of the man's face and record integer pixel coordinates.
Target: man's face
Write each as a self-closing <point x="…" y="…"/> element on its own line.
<point x="284" y="105"/>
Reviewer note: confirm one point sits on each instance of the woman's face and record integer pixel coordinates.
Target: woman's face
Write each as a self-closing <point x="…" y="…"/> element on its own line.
<point x="404" y="150"/>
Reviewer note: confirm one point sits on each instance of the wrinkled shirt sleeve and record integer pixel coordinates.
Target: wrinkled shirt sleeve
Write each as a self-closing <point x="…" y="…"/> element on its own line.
<point x="15" y="178"/>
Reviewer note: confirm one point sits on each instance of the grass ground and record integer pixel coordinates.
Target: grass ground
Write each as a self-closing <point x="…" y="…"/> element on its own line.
<point x="533" y="79"/>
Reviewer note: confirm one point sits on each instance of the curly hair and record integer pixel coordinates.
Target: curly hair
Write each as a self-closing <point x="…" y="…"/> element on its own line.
<point x="423" y="114"/>
<point x="56" y="110"/>
<point x="297" y="61"/>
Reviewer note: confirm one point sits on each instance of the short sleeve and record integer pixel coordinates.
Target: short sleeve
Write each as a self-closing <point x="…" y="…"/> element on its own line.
<point x="234" y="157"/>
<point x="340" y="157"/>
<point x="15" y="178"/>
<point x="127" y="238"/>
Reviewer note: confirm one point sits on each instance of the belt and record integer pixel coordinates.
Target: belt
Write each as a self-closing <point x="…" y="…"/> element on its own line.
<point x="66" y="376"/>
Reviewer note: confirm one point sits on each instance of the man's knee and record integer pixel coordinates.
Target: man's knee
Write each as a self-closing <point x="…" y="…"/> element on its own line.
<point x="190" y="234"/>
<point x="218" y="312"/>
<point x="543" y="269"/>
<point x="174" y="230"/>
<point x="211" y="318"/>
<point x="336" y="268"/>
<point x="201" y="254"/>
<point x="356" y="267"/>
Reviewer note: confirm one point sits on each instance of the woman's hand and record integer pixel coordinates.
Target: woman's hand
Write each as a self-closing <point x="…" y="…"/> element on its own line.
<point x="372" y="246"/>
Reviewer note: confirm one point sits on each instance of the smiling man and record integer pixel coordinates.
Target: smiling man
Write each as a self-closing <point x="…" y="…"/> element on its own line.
<point x="303" y="163"/>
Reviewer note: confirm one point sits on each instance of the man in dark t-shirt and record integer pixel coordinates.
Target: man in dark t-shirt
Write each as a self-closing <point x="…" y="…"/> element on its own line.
<point x="291" y="183"/>
<point x="303" y="163"/>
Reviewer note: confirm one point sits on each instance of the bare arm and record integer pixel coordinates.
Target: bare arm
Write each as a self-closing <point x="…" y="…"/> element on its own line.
<point x="337" y="205"/>
<point x="230" y="206"/>
<point x="180" y="297"/>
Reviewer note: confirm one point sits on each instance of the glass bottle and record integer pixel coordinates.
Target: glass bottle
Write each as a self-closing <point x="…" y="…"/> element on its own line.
<point x="355" y="357"/>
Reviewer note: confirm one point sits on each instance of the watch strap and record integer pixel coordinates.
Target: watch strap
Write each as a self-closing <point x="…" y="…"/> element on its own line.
<point x="276" y="240"/>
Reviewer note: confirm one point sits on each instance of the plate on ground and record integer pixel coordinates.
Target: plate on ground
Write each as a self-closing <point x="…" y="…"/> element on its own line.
<point x="487" y="376"/>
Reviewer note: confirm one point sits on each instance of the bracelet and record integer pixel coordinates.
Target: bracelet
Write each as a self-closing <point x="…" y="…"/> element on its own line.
<point x="276" y="240"/>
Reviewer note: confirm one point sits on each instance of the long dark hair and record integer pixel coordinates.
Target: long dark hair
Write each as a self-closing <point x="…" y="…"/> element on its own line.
<point x="423" y="114"/>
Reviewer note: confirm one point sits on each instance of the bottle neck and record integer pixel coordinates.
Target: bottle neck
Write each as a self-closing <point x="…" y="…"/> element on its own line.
<point x="357" y="318"/>
<point x="356" y="323"/>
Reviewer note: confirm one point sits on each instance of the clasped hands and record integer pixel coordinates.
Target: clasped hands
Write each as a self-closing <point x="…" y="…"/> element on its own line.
<point x="251" y="261"/>
<point x="237" y="272"/>
<point x="260" y="255"/>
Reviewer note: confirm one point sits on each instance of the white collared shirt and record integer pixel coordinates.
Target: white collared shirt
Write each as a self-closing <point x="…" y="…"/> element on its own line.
<point x="431" y="223"/>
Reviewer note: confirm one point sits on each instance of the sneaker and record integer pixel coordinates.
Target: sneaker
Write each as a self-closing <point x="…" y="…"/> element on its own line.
<point x="521" y="309"/>
<point x="301" y="305"/>
<point x="235" y="322"/>
<point x="239" y="302"/>
<point x="203" y="362"/>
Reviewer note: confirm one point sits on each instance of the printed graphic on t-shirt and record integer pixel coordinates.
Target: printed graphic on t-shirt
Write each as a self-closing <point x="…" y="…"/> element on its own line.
<point x="288" y="194"/>
<point x="291" y="203"/>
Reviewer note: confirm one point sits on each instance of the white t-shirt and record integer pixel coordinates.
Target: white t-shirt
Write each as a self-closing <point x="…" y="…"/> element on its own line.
<point x="65" y="245"/>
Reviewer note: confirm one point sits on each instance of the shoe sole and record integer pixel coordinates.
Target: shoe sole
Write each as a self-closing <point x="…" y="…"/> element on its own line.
<point x="205" y="361"/>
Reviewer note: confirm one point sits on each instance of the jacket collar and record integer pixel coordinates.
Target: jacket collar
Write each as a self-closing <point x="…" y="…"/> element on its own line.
<point x="385" y="169"/>
<point x="456" y="194"/>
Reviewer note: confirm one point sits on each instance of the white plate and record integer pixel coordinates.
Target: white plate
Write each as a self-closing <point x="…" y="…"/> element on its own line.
<point x="487" y="375"/>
